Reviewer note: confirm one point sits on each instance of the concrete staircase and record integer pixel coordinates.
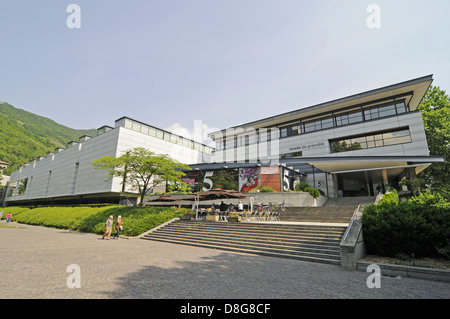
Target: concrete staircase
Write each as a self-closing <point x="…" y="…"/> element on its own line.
<point x="350" y="201"/>
<point x="341" y="214"/>
<point x="287" y="240"/>
<point x="335" y="210"/>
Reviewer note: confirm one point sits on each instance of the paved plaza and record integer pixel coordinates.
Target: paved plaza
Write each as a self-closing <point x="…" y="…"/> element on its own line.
<point x="34" y="263"/>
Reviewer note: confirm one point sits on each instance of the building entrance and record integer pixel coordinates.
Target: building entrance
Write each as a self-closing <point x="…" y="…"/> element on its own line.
<point x="371" y="182"/>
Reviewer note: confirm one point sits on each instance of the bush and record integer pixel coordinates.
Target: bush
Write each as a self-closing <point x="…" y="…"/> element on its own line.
<point x="267" y="189"/>
<point x="314" y="192"/>
<point x="301" y="186"/>
<point x="13" y="210"/>
<point x="394" y="228"/>
<point x="430" y="199"/>
<point x="137" y="220"/>
<point x="390" y="198"/>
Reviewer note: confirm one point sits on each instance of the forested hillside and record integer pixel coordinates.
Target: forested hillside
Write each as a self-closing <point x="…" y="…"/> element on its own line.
<point x="25" y="136"/>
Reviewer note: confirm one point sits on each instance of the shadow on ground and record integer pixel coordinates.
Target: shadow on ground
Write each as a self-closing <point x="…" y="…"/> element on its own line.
<point x="225" y="275"/>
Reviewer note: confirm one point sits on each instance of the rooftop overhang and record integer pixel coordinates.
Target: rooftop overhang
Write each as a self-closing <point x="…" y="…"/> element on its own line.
<point x="218" y="166"/>
<point x="412" y="91"/>
<point x="337" y="165"/>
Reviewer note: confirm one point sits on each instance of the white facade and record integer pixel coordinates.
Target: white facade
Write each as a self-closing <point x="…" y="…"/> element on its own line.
<point x="68" y="174"/>
<point x="349" y="144"/>
<point x="375" y="137"/>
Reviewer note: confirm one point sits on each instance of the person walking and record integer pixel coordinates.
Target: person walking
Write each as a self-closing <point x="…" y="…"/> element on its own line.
<point x="118" y="226"/>
<point x="1" y="215"/>
<point x="108" y="225"/>
<point x="8" y="217"/>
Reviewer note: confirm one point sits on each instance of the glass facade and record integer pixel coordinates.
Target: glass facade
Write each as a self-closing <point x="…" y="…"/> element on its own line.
<point x="353" y="115"/>
<point x="393" y="137"/>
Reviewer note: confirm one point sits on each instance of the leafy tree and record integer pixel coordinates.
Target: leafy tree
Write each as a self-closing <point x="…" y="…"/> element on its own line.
<point x="142" y="169"/>
<point x="342" y="146"/>
<point x="223" y="179"/>
<point x="435" y="109"/>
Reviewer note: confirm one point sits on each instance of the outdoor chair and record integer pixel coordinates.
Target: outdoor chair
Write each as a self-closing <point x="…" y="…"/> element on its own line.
<point x="267" y="216"/>
<point x="260" y="216"/>
<point x="246" y="215"/>
<point x="253" y="216"/>
<point x="276" y="216"/>
<point x="222" y="216"/>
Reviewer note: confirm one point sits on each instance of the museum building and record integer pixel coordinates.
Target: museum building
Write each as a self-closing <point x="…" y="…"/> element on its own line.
<point x="346" y="147"/>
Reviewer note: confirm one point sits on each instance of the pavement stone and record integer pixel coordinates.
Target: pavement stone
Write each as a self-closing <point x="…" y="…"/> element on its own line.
<point x="34" y="263"/>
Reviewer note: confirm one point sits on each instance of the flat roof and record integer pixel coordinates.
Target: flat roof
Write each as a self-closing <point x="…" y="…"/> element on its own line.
<point x="160" y="129"/>
<point x="414" y="89"/>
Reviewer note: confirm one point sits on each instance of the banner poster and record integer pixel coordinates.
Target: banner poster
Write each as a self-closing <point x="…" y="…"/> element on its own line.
<point x="190" y="181"/>
<point x="248" y="179"/>
<point x="270" y="176"/>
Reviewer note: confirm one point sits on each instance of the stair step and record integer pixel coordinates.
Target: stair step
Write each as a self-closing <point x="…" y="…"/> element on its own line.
<point x="273" y="236"/>
<point x="279" y="254"/>
<point x="307" y="245"/>
<point x="289" y="232"/>
<point x="261" y="226"/>
<point x="318" y="243"/>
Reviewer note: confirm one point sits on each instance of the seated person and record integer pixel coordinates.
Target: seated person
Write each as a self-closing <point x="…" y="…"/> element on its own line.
<point x="223" y="207"/>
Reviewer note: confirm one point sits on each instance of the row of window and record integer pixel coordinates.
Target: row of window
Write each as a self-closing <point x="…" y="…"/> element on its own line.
<point x="373" y="140"/>
<point x="300" y="127"/>
<point x="163" y="135"/>
<point x="393" y="137"/>
<point x="341" y="119"/>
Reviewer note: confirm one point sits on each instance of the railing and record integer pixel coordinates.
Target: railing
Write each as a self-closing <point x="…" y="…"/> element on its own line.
<point x="355" y="213"/>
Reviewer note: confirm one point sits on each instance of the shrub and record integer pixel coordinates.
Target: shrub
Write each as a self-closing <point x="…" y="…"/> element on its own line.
<point x="301" y="186"/>
<point x="314" y="192"/>
<point x="390" y="198"/>
<point x="13" y="210"/>
<point x="137" y="220"/>
<point x="267" y="189"/>
<point x="407" y="228"/>
<point x="430" y="199"/>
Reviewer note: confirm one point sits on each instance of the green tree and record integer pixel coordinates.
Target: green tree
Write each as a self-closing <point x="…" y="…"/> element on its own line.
<point x="435" y="109"/>
<point x="142" y="169"/>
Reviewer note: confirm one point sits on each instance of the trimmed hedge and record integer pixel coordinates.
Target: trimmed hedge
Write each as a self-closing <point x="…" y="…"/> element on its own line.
<point x="394" y="228"/>
<point x="137" y="220"/>
<point x="314" y="192"/>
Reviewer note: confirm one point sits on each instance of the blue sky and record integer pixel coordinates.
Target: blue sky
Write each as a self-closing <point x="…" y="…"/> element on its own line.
<point x="222" y="62"/>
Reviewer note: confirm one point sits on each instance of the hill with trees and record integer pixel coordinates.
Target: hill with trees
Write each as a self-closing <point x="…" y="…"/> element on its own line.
<point x="25" y="136"/>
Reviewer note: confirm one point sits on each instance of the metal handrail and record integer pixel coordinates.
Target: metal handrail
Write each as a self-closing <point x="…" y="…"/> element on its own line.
<point x="355" y="213"/>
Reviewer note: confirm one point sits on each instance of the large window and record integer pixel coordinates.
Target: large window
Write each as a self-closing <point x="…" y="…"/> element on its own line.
<point x="384" y="110"/>
<point x="355" y="114"/>
<point x="379" y="139"/>
<point x="291" y="130"/>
